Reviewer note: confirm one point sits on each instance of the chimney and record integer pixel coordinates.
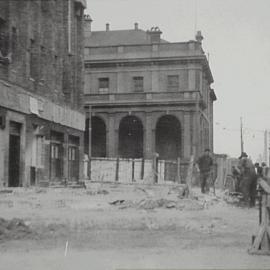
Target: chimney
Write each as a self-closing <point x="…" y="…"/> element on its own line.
<point x="136" y="26"/>
<point x="87" y="25"/>
<point x="107" y="27"/>
<point x="154" y="33"/>
<point x="199" y="37"/>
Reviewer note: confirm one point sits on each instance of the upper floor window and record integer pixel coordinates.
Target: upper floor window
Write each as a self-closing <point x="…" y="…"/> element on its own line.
<point x="33" y="60"/>
<point x="138" y="84"/>
<point x="14" y="40"/>
<point x="173" y="83"/>
<point x="4" y="38"/>
<point x="103" y="85"/>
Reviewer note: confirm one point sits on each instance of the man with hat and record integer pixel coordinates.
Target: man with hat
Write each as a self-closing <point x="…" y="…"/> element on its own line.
<point x="205" y="163"/>
<point x="248" y="181"/>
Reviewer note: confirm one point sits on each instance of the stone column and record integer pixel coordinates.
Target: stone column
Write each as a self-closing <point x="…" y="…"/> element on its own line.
<point x="155" y="81"/>
<point x="65" y="157"/>
<point x="120" y="79"/>
<point x="191" y="79"/>
<point x="111" y="142"/>
<point x="187" y="135"/>
<point x="148" y="138"/>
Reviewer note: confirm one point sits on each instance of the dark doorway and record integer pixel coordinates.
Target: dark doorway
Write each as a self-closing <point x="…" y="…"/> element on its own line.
<point x="130" y="138"/>
<point x="86" y="136"/>
<point x="168" y="138"/>
<point x="98" y="144"/>
<point x="14" y="155"/>
<point x="73" y="158"/>
<point x="57" y="151"/>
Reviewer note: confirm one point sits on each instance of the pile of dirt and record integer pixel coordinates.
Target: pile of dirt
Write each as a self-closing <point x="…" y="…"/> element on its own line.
<point x="235" y="198"/>
<point x="96" y="189"/>
<point x="151" y="203"/>
<point x="13" y="229"/>
<point x="97" y="192"/>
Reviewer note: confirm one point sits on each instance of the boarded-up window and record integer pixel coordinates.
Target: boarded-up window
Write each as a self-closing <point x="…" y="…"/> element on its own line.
<point x="33" y="63"/>
<point x="40" y="152"/>
<point x="103" y="85"/>
<point x="173" y="83"/>
<point x="14" y="41"/>
<point x="138" y="84"/>
<point x="3" y="37"/>
<point x="71" y="154"/>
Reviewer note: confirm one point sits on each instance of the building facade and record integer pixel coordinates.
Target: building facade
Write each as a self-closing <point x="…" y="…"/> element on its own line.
<point x="41" y="88"/>
<point x="145" y="95"/>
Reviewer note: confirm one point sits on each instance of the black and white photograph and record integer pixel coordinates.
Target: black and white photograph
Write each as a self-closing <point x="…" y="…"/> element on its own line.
<point x="134" y="134"/>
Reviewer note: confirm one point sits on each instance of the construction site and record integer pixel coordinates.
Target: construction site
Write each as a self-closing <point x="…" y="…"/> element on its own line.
<point x="119" y="148"/>
<point x="123" y="226"/>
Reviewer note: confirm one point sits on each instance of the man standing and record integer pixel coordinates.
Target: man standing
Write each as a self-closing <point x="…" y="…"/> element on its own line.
<point x="205" y="163"/>
<point x="248" y="179"/>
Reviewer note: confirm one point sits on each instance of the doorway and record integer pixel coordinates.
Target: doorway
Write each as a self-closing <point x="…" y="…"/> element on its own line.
<point x="14" y="155"/>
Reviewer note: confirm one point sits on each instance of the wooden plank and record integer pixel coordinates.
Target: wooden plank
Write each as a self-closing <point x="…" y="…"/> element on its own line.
<point x="190" y="176"/>
<point x="268" y="230"/>
<point x="178" y="170"/>
<point x="264" y="185"/>
<point x="258" y="238"/>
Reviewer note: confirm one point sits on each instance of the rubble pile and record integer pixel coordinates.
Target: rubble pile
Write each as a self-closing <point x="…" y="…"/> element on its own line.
<point x="233" y="197"/>
<point x="153" y="203"/>
<point x="13" y="229"/>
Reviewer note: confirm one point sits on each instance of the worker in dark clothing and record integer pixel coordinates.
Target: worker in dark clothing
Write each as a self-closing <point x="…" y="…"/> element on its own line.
<point x="236" y="176"/>
<point x="259" y="170"/>
<point x="248" y="181"/>
<point x="205" y="163"/>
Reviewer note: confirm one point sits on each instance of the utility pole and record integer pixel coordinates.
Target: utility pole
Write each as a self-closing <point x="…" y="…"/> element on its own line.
<point x="241" y="135"/>
<point x="265" y="152"/>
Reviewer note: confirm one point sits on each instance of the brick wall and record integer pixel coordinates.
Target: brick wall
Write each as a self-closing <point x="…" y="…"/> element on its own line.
<point x="41" y="60"/>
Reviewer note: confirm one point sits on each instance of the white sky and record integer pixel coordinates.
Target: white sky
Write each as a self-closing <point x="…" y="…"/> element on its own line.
<point x="237" y="37"/>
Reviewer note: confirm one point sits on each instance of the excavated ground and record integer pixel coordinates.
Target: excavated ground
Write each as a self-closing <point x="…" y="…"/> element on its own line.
<point x="112" y="226"/>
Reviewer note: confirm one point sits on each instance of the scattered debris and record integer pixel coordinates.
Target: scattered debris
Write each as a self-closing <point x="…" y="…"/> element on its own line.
<point x="233" y="197"/>
<point x="13" y="229"/>
<point x="97" y="192"/>
<point x="41" y="190"/>
<point x="117" y="202"/>
<point x="180" y="191"/>
<point x="96" y="189"/>
<point x="150" y="204"/>
<point x="6" y="191"/>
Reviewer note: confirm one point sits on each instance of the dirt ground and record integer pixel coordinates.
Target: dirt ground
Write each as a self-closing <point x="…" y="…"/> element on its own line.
<point x="120" y="227"/>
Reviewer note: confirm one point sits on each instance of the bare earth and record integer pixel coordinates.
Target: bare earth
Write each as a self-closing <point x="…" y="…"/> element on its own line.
<point x="97" y="235"/>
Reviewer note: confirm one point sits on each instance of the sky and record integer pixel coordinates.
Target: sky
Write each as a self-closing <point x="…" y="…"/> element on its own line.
<point x="237" y="38"/>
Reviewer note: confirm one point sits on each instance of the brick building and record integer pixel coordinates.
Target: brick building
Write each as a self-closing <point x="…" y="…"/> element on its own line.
<point x="41" y="87"/>
<point x="146" y="95"/>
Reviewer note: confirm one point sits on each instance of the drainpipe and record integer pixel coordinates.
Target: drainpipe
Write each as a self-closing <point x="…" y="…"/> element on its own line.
<point x="69" y="26"/>
<point x="90" y="141"/>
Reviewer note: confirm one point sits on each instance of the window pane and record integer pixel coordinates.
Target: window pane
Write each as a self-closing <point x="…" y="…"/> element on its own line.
<point x="173" y="82"/>
<point x="103" y="85"/>
<point x="103" y="82"/>
<point x="138" y="84"/>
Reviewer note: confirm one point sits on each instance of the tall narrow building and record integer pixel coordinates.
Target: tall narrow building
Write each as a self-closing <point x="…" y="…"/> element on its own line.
<point x="41" y="87"/>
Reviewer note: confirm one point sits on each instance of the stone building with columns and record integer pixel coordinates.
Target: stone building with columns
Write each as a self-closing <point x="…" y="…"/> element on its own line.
<point x="145" y="95"/>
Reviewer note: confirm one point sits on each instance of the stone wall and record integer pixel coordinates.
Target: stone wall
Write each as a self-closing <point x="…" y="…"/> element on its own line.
<point x="46" y="49"/>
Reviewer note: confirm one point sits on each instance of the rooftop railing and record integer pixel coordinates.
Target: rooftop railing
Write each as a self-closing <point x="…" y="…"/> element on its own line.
<point x="142" y="51"/>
